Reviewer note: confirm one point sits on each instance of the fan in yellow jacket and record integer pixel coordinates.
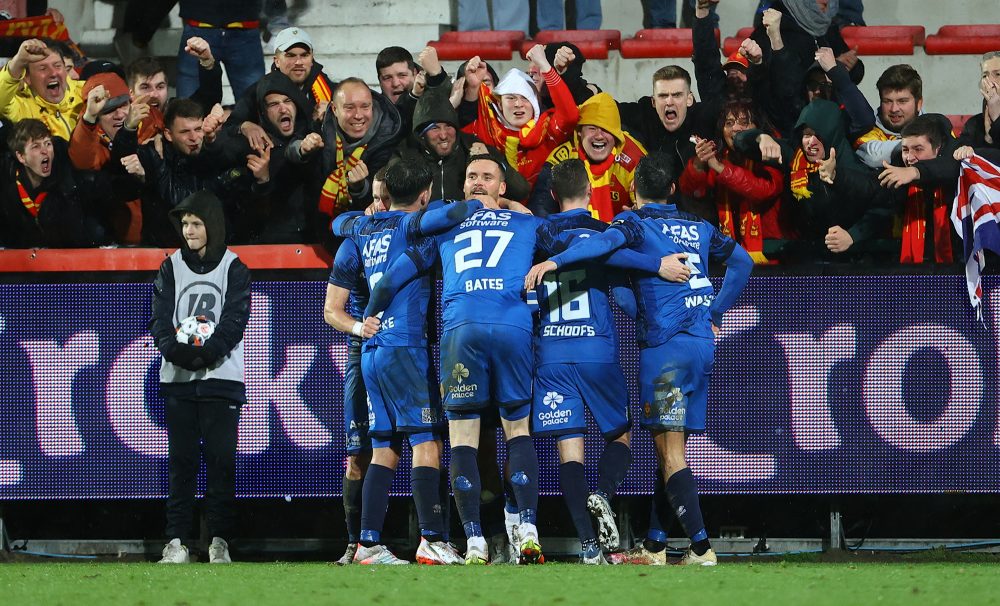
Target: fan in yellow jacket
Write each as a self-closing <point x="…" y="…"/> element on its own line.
<point x="34" y="84"/>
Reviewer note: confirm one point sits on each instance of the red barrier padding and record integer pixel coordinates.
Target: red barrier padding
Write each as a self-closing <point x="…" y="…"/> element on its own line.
<point x="463" y="51"/>
<point x="972" y="45"/>
<point x="591" y="49"/>
<point x="969" y="31"/>
<point x="915" y="33"/>
<point x="642" y="49"/>
<point x="611" y="37"/>
<point x="513" y="38"/>
<point x="271" y="256"/>
<point x="880" y="46"/>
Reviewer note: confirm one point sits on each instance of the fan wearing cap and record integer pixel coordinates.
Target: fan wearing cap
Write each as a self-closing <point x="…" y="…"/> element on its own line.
<point x="109" y="112"/>
<point x="509" y="117"/>
<point x="293" y="56"/>
<point x="609" y="154"/>
<point x="48" y="95"/>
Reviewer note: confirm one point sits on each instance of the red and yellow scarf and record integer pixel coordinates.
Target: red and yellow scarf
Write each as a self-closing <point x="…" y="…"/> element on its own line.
<point x="335" y="197"/>
<point x="800" y="170"/>
<point x="32" y="204"/>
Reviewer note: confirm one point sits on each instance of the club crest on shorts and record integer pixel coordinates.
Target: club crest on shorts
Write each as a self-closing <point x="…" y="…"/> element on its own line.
<point x="552" y="399"/>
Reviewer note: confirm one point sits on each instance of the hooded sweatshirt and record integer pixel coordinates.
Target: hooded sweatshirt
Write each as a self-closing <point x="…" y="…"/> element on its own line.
<point x="611" y="179"/>
<point x="217" y="286"/>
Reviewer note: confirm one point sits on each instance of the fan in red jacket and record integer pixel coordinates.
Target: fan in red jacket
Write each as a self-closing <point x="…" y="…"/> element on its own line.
<point x="747" y="193"/>
<point x="508" y="117"/>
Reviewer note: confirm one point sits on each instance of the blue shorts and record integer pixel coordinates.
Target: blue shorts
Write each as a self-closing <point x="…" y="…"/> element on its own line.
<point x="355" y="402"/>
<point x="484" y="364"/>
<point x="400" y="392"/>
<point x="562" y="391"/>
<point x="673" y="383"/>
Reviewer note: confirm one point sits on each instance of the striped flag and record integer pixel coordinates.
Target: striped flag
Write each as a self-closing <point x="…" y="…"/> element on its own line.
<point x="976" y="216"/>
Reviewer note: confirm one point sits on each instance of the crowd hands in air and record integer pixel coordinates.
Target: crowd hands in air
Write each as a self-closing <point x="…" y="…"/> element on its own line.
<point x="782" y="152"/>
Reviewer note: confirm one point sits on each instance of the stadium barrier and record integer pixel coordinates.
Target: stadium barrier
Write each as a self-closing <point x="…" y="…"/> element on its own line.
<point x="823" y="384"/>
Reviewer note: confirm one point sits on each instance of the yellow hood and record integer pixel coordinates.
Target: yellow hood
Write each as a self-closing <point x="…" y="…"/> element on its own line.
<point x="602" y="111"/>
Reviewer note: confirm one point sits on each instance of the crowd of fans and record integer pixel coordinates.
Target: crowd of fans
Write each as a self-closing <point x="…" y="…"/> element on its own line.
<point x="782" y="151"/>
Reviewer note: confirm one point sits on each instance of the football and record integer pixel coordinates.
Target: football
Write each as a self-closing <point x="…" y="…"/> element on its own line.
<point x="195" y="330"/>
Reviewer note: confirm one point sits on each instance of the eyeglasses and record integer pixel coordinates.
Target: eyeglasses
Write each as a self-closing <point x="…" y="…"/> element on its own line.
<point x="744" y="122"/>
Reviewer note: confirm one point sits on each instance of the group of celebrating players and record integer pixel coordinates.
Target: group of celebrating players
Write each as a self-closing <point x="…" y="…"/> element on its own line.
<point x="535" y="373"/>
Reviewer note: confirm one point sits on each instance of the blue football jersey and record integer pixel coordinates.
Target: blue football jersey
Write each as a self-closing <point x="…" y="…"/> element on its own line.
<point x="576" y="325"/>
<point x="348" y="273"/>
<point x="667" y="308"/>
<point x="484" y="260"/>
<point x="381" y="238"/>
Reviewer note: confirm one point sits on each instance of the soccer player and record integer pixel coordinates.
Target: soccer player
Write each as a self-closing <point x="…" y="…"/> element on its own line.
<point x="486" y="347"/>
<point x="346" y="298"/>
<point x="577" y="367"/>
<point x="395" y="365"/>
<point x="676" y="329"/>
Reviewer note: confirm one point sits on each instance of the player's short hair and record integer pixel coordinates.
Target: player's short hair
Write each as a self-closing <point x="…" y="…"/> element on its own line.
<point x="182" y="108"/>
<point x="405" y="181"/>
<point x="502" y="171"/>
<point x="380" y="174"/>
<point x="393" y="54"/>
<point x="926" y="125"/>
<point x="25" y="130"/>
<point x="570" y="179"/>
<point x="654" y="176"/>
<point x="141" y="68"/>
<point x="672" y="72"/>
<point x="901" y="77"/>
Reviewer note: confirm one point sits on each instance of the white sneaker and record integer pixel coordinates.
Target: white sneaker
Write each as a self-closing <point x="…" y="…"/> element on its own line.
<point x="594" y="558"/>
<point x="692" y="559"/>
<point x="607" y="529"/>
<point x="528" y="547"/>
<point x="218" y="551"/>
<point x="175" y="553"/>
<point x="377" y="554"/>
<point x="476" y="552"/>
<point x="437" y="553"/>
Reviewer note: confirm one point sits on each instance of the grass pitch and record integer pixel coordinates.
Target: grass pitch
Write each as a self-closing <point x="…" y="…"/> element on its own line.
<point x="961" y="580"/>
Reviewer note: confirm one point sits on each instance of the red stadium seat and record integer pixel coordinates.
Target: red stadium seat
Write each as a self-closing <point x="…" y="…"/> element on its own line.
<point x="970" y="45"/>
<point x="969" y="31"/>
<point x="461" y="51"/>
<point x="512" y="37"/>
<point x="958" y="122"/>
<point x="732" y="43"/>
<point x="591" y="49"/>
<point x="459" y="46"/>
<point x="672" y="43"/>
<point x="611" y="37"/>
<point x="915" y="33"/>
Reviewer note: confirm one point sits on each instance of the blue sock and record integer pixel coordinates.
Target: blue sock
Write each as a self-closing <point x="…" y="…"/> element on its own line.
<point x="573" y="482"/>
<point x="426" y="494"/>
<point x="524" y="476"/>
<point x="444" y="486"/>
<point x="683" y="494"/>
<point x="465" y="482"/>
<point x="659" y="516"/>
<point x="374" y="502"/>
<point x="612" y="468"/>
<point x="352" y="508"/>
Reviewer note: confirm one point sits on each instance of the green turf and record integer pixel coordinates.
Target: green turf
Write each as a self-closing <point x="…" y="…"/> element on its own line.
<point x="809" y="584"/>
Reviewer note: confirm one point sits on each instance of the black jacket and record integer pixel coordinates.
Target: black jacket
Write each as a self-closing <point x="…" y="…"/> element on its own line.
<point x="248" y="107"/>
<point x="235" y="309"/>
<point x="64" y="219"/>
